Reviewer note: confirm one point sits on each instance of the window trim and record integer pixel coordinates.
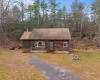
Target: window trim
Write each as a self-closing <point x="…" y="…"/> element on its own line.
<point x="65" y="42"/>
<point x="37" y="44"/>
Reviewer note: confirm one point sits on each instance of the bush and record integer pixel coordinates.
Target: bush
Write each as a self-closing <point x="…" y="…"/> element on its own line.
<point x="19" y="47"/>
<point x="12" y="48"/>
<point x="26" y="50"/>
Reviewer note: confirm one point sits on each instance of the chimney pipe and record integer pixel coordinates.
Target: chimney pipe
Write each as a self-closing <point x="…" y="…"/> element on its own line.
<point x="27" y="29"/>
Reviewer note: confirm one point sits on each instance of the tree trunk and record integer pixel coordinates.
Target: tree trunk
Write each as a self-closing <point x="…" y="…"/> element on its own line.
<point x="99" y="32"/>
<point x="81" y="28"/>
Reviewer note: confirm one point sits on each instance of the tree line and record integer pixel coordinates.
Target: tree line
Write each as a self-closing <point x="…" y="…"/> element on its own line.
<point x="16" y="17"/>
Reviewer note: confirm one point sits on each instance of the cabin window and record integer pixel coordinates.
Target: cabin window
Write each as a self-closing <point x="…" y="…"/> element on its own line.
<point x="65" y="44"/>
<point x="39" y="44"/>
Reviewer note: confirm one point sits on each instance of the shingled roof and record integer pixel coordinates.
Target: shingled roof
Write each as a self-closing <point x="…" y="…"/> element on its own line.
<point x="25" y="36"/>
<point x="48" y="34"/>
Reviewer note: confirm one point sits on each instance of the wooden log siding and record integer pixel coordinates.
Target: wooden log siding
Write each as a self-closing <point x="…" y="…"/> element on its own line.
<point x="26" y="44"/>
<point x="58" y="46"/>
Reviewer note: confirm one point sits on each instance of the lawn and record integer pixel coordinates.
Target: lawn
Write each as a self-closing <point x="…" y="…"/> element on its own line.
<point x="15" y="66"/>
<point x="87" y="67"/>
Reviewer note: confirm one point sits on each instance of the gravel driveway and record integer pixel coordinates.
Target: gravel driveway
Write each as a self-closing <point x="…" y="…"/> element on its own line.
<point x="52" y="72"/>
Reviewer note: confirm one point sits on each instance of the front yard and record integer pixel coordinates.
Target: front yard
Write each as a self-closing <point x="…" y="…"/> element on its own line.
<point x="87" y="67"/>
<point x="15" y="66"/>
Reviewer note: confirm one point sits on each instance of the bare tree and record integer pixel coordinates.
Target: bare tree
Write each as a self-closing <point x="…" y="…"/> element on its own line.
<point x="3" y="18"/>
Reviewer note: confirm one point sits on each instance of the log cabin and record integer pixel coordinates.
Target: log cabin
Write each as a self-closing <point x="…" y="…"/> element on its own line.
<point x="47" y="40"/>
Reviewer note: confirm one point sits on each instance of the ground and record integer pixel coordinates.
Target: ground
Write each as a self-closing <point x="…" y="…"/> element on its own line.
<point x="87" y="67"/>
<point x="53" y="72"/>
<point x="14" y="66"/>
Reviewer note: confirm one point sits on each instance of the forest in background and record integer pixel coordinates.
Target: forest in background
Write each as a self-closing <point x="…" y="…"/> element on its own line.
<point x="16" y="17"/>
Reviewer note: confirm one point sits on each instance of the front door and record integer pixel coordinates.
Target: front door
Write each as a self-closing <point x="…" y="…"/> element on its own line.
<point x="51" y="44"/>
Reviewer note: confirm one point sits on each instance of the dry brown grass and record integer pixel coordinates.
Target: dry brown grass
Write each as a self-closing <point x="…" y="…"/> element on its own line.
<point x="88" y="67"/>
<point x="14" y="66"/>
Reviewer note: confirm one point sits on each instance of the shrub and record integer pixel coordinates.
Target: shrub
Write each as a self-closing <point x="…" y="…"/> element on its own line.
<point x="26" y="50"/>
<point x="12" y="48"/>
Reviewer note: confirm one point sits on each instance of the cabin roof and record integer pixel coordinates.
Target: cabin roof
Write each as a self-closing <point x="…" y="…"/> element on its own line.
<point x="47" y="34"/>
<point x="25" y="36"/>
